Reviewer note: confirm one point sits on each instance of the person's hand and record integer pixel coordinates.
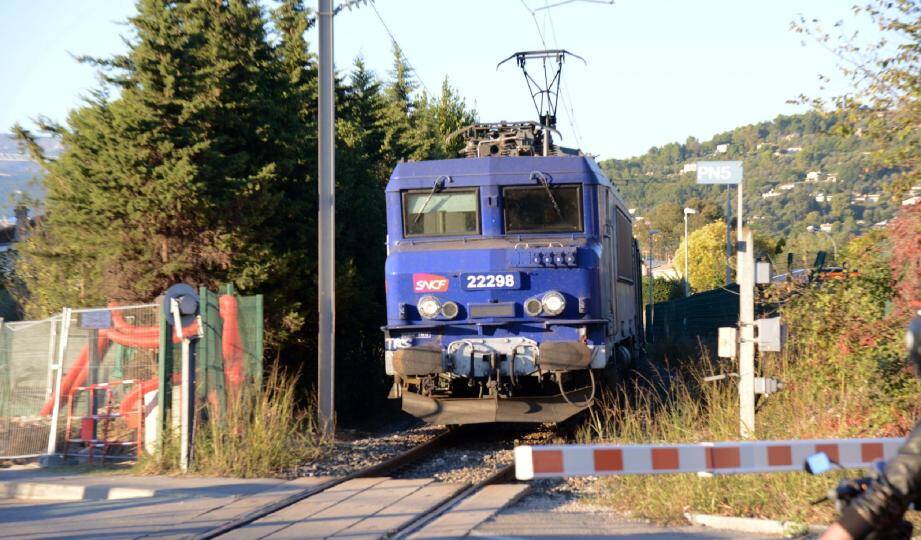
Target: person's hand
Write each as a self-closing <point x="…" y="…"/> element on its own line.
<point x="836" y="532"/>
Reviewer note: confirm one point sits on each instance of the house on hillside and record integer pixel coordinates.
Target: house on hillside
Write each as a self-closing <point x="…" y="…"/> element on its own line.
<point x="722" y="148"/>
<point x="661" y="269"/>
<point x="770" y="194"/>
<point x="821" y="197"/>
<point x="689" y="167"/>
<point x="794" y="149"/>
<point x="11" y="233"/>
<point x="786" y="187"/>
<point x="826" y="227"/>
<point x="832" y="178"/>
<point x="812" y="176"/>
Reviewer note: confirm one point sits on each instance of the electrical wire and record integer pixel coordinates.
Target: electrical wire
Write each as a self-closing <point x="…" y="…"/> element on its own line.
<point x="567" y="101"/>
<point x="402" y="50"/>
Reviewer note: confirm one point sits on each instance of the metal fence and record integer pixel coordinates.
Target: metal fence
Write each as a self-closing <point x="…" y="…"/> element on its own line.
<point x="89" y="382"/>
<point x="110" y="363"/>
<point x="694" y="322"/>
<point x="27" y="349"/>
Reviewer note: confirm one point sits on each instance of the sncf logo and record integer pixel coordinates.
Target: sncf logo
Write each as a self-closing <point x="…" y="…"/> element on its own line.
<point x="423" y="283"/>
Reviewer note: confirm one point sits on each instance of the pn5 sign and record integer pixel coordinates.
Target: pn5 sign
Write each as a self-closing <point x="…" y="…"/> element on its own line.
<point x="719" y="172"/>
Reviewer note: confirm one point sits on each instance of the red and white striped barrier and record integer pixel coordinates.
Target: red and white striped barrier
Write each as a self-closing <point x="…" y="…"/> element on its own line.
<point x="713" y="458"/>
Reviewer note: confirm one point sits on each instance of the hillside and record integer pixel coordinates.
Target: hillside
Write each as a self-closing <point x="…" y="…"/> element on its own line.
<point x="800" y="170"/>
<point x="19" y="176"/>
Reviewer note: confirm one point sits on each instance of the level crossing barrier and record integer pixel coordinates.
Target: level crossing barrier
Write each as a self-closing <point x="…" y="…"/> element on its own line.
<point x="709" y="458"/>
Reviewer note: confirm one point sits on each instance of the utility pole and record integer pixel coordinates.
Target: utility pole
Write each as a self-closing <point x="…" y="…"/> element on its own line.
<point x="745" y="276"/>
<point x="731" y="172"/>
<point x="326" y="284"/>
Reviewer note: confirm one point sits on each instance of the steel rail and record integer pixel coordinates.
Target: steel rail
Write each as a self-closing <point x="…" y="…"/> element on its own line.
<point x="392" y="464"/>
<point x="414" y="526"/>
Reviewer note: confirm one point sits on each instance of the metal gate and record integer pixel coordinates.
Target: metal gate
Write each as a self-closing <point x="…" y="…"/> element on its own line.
<point x="88" y="382"/>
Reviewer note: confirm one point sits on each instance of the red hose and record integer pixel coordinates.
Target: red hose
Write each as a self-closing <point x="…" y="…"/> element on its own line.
<point x="129" y="403"/>
<point x="127" y="335"/>
<point x="232" y="344"/>
<point x="76" y="375"/>
<point x="120" y="324"/>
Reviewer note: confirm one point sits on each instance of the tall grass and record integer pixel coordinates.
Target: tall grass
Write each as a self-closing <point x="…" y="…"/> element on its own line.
<point x="260" y="432"/>
<point x="683" y="408"/>
<point x="845" y="374"/>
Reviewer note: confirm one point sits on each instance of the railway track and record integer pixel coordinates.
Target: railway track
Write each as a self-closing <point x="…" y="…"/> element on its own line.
<point x="406" y="496"/>
<point x="504" y="474"/>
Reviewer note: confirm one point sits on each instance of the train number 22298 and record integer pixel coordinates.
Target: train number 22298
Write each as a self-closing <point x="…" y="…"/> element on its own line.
<point x="491" y="281"/>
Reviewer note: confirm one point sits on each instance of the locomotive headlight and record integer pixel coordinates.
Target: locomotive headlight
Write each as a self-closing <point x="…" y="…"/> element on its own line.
<point x="533" y="307"/>
<point x="449" y="309"/>
<point x="429" y="307"/>
<point x="553" y="303"/>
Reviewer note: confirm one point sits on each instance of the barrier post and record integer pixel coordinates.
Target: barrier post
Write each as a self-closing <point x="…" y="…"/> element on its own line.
<point x="165" y="373"/>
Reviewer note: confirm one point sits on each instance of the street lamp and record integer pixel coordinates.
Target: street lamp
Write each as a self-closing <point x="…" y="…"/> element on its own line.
<point x="687" y="287"/>
<point x="813" y="229"/>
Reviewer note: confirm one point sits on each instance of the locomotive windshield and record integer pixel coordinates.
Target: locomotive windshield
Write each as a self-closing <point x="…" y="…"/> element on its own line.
<point x="537" y="209"/>
<point x="448" y="212"/>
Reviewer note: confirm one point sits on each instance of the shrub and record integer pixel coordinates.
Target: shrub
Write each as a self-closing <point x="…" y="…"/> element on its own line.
<point x="663" y="289"/>
<point x="262" y="432"/>
<point x="845" y="373"/>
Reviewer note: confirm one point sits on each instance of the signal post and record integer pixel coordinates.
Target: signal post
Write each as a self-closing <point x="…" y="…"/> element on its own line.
<point x="730" y="173"/>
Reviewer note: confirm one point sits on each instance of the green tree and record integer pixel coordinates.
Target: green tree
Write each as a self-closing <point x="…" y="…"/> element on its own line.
<point x="192" y="173"/>
<point x="399" y="108"/>
<point x="706" y="257"/>
<point x="884" y="99"/>
<point x="663" y="289"/>
<point x="434" y="119"/>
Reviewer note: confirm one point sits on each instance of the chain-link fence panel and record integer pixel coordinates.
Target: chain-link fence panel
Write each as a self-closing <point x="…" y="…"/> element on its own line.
<point x="86" y="383"/>
<point x="27" y="351"/>
<point x="110" y="365"/>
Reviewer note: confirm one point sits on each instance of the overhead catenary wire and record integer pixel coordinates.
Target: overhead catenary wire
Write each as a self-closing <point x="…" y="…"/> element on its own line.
<point x="567" y="101"/>
<point x="402" y="50"/>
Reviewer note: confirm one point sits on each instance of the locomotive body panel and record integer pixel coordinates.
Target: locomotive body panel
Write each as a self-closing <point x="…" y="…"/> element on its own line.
<point x="506" y="278"/>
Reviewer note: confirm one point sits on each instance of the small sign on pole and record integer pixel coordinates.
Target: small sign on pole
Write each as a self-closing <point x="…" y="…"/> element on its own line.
<point x="726" y="342"/>
<point x="762" y="273"/>
<point x="719" y="172"/>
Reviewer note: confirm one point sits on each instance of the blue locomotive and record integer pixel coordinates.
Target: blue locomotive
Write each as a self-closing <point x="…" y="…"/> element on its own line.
<point x="512" y="278"/>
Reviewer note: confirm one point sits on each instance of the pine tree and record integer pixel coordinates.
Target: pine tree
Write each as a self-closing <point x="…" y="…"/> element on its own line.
<point x="435" y="119"/>
<point x="362" y="169"/>
<point x="398" y="95"/>
<point x="178" y="177"/>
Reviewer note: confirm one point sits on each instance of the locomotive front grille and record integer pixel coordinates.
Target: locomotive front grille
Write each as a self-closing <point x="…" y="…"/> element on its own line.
<point x="479" y="311"/>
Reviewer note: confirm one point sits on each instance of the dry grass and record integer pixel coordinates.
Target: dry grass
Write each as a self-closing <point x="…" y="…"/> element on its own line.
<point x="261" y="433"/>
<point x="697" y="411"/>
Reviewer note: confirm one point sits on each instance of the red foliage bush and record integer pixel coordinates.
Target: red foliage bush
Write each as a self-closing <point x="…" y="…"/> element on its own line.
<point x="905" y="235"/>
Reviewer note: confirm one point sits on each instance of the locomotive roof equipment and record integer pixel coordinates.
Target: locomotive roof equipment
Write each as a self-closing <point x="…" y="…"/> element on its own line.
<point x="545" y="94"/>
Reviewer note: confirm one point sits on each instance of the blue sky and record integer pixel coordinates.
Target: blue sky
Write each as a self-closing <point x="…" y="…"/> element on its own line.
<point x="658" y="70"/>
